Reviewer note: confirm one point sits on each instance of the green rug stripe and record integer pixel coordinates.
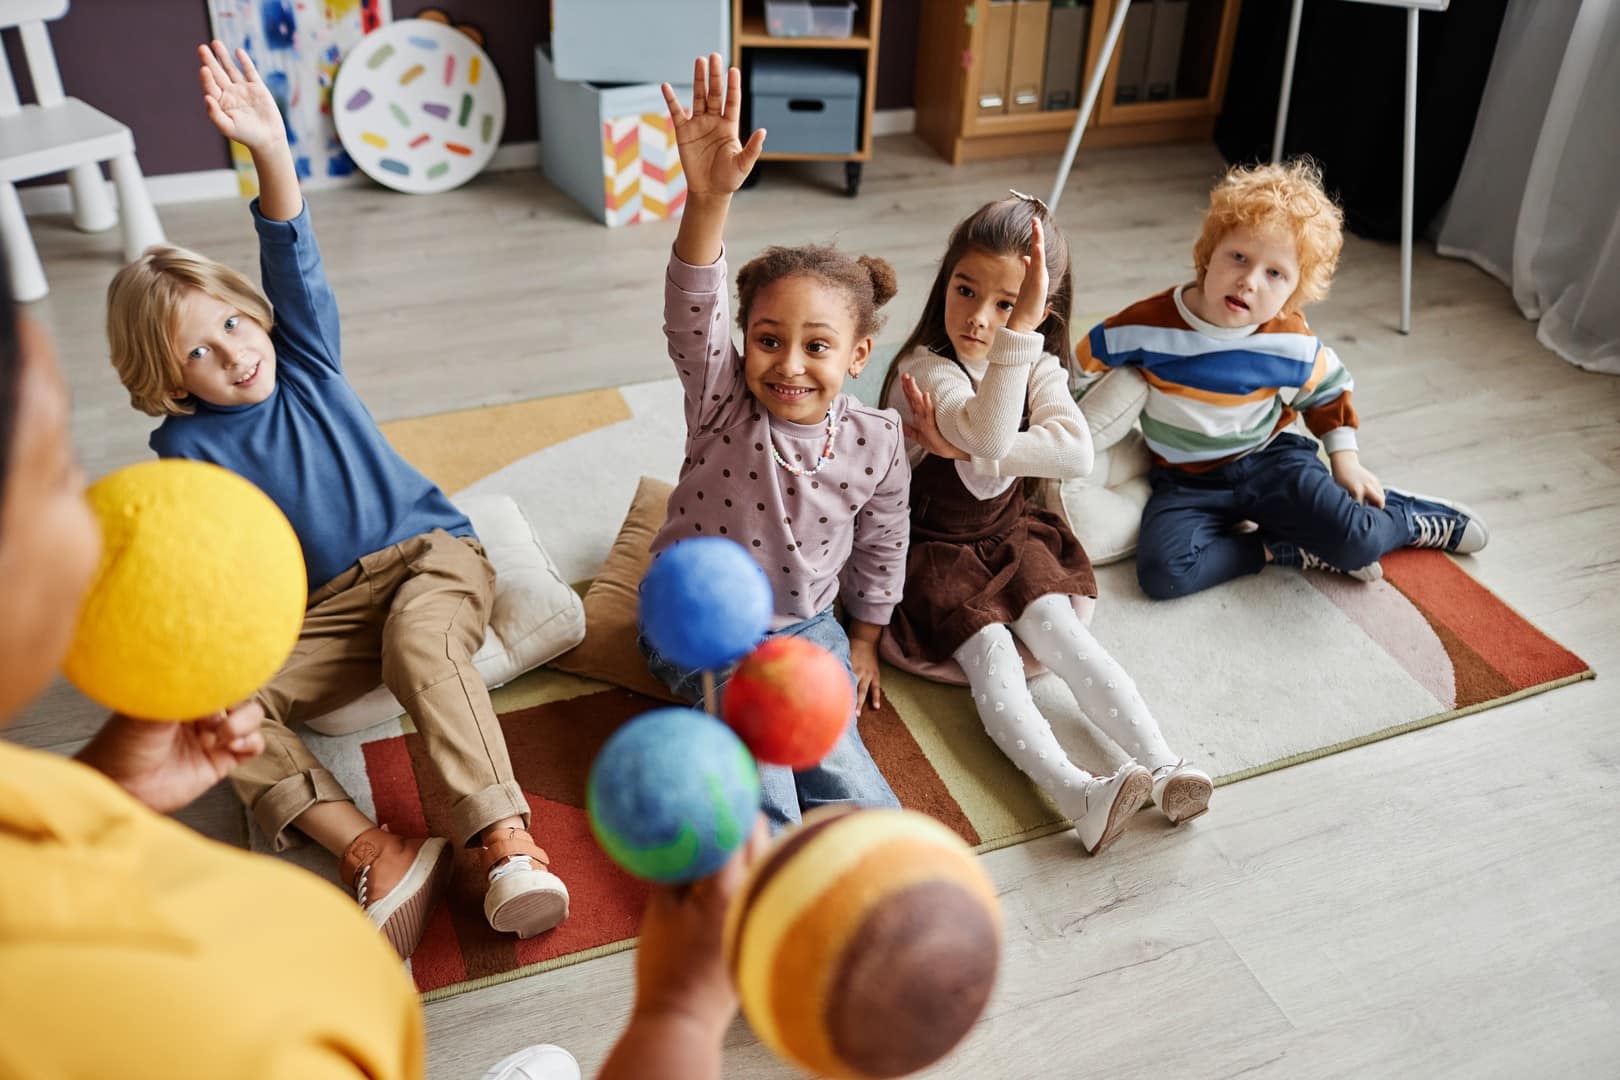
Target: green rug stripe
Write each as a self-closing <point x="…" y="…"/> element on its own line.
<point x="568" y="960"/>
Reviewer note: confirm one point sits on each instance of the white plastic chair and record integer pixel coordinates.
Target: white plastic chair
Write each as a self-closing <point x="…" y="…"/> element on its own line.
<point x="62" y="134"/>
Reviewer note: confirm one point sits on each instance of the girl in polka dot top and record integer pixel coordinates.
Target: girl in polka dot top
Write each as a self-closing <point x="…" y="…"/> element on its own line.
<point x="809" y="481"/>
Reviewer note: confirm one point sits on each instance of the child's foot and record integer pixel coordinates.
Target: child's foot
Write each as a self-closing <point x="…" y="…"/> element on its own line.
<point x="1107" y="803"/>
<point x="1444" y="524"/>
<point x="1283" y="554"/>
<point x="524" y="897"/>
<point x="398" y="882"/>
<point x="1181" y="791"/>
<point x="544" y="1062"/>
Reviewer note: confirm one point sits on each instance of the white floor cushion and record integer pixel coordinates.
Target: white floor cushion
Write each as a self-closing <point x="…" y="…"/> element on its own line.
<point x="537" y="615"/>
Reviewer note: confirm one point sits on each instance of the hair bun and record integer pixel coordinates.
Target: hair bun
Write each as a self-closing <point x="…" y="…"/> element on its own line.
<point x="884" y="282"/>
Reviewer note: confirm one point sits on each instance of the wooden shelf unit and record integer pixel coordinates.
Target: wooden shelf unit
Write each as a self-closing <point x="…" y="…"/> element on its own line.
<point x="949" y="55"/>
<point x="748" y="33"/>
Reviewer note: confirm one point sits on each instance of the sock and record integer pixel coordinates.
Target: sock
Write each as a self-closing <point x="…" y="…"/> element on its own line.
<point x="1108" y="696"/>
<point x="996" y="677"/>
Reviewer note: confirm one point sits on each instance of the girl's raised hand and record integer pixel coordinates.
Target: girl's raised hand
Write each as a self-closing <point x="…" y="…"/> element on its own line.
<point x="1029" y="310"/>
<point x="238" y="102"/>
<point x="713" y="156"/>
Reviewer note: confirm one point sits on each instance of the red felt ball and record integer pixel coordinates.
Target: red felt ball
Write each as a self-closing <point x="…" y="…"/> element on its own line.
<point x="789" y="701"/>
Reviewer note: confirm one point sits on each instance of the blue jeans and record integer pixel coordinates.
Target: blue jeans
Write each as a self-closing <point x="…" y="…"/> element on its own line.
<point x="847" y="774"/>
<point x="1187" y="543"/>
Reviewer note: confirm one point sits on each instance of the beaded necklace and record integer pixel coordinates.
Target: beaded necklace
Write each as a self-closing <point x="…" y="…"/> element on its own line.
<point x="826" y="452"/>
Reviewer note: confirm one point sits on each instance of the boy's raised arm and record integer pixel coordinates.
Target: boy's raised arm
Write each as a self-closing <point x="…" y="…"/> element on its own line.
<point x="241" y="108"/>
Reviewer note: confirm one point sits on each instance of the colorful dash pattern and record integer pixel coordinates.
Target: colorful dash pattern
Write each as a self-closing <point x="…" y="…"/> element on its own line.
<point x="416" y="108"/>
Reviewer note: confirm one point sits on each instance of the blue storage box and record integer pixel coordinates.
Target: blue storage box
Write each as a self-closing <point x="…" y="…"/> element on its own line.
<point x="637" y="41"/>
<point x="807" y="104"/>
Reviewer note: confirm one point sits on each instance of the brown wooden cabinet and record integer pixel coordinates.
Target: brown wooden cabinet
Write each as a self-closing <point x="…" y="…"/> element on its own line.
<point x="950" y="53"/>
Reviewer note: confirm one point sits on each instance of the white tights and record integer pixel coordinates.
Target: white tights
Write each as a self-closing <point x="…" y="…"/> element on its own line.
<point x="1055" y="635"/>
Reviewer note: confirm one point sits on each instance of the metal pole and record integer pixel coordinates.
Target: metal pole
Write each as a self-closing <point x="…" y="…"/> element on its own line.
<point x="1287" y="82"/>
<point x="1093" y="87"/>
<point x="1409" y="168"/>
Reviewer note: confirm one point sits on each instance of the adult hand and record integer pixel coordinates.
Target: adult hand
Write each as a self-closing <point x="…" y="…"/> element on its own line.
<point x="167" y="765"/>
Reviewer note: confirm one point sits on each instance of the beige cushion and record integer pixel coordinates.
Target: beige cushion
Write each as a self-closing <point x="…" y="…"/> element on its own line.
<point x="1104" y="509"/>
<point x="609" y="652"/>
<point x="535" y="617"/>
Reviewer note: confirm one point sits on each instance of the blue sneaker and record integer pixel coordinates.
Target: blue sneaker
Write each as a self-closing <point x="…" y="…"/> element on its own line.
<point x="1285" y="554"/>
<point x="1443" y="524"/>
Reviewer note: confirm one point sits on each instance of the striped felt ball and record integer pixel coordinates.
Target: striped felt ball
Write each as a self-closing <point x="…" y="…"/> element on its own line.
<point x="865" y="943"/>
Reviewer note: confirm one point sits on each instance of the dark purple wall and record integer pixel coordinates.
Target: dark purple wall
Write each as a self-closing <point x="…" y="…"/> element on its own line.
<point x="135" y="61"/>
<point x="897" y="53"/>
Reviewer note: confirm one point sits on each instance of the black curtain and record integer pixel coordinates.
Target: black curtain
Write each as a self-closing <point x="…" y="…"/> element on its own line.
<point x="1349" y="99"/>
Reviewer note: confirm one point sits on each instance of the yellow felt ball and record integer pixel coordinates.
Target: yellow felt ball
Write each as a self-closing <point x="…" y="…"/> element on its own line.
<point x="199" y="596"/>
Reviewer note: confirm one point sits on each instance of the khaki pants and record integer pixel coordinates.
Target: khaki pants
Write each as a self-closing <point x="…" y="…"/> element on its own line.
<point x="420" y="608"/>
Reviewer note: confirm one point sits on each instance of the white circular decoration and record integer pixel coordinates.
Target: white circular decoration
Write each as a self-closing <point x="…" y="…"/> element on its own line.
<point x="419" y="106"/>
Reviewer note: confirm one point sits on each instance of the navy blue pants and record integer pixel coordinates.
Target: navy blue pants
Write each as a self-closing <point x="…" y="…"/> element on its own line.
<point x="1187" y="542"/>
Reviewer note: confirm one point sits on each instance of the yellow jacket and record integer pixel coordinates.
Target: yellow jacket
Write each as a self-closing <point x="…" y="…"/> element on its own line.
<point x="132" y="948"/>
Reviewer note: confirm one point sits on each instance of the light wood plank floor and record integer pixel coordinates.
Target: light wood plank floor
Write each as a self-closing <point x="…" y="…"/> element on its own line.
<point x="1442" y="904"/>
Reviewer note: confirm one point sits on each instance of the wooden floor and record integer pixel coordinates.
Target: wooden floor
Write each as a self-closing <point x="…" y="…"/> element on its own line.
<point x="1442" y="904"/>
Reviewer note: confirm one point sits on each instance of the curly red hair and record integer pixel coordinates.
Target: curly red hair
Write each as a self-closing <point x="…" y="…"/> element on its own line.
<point x="1287" y="197"/>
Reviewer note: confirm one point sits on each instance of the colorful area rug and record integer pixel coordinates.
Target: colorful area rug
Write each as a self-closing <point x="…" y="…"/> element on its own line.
<point x="1260" y="674"/>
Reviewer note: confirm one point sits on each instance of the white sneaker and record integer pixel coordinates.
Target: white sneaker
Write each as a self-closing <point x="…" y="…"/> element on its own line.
<point x="1181" y="791"/>
<point x="1108" y="803"/>
<point x="544" y="1062"/>
<point x="524" y="897"/>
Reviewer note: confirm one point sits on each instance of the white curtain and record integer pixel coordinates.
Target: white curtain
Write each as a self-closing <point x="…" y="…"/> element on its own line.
<point x="1538" y="201"/>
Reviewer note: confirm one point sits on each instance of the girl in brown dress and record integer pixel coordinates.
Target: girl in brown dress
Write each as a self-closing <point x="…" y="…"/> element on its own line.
<point x="987" y="405"/>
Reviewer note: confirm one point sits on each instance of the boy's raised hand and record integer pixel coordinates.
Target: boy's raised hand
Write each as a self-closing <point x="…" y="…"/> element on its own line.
<point x="238" y="102"/>
<point x="713" y="155"/>
<point x="1029" y="310"/>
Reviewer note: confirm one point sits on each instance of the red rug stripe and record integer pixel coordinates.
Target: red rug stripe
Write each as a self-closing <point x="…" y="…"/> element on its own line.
<point x="394" y="791"/>
<point x="1497" y="633"/>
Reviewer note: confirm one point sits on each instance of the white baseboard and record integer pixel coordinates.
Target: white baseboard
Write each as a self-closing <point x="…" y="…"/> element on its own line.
<point x="206" y="184"/>
<point x="894" y="121"/>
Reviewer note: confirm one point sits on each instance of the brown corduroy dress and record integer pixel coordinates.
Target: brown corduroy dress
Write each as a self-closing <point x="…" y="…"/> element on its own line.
<point x="978" y="562"/>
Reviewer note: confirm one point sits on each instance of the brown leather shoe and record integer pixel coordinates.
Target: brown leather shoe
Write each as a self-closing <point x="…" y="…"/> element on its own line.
<point x="524" y="897"/>
<point x="398" y="882"/>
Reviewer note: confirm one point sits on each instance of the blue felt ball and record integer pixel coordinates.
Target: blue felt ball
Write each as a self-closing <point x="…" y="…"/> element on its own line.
<point x="705" y="603"/>
<point x="672" y="794"/>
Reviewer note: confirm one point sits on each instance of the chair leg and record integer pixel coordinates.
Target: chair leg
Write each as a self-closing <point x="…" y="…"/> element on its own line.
<point x="27" y="275"/>
<point x="93" y="209"/>
<point x="142" y="228"/>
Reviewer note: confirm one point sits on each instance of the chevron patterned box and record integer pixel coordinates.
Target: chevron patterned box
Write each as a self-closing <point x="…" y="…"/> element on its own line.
<point x="610" y="148"/>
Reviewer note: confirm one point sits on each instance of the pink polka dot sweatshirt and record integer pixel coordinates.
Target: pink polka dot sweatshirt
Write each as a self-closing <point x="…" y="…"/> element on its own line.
<point x="850" y="522"/>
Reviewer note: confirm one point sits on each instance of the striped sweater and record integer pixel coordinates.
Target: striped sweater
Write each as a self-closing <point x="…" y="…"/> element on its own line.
<point x="1214" y="393"/>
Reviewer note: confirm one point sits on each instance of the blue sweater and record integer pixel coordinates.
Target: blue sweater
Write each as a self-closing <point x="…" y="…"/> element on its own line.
<point x="311" y="445"/>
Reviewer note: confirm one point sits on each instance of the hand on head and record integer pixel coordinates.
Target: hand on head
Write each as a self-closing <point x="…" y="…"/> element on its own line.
<point x="1029" y="310"/>
<point x="713" y="156"/>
